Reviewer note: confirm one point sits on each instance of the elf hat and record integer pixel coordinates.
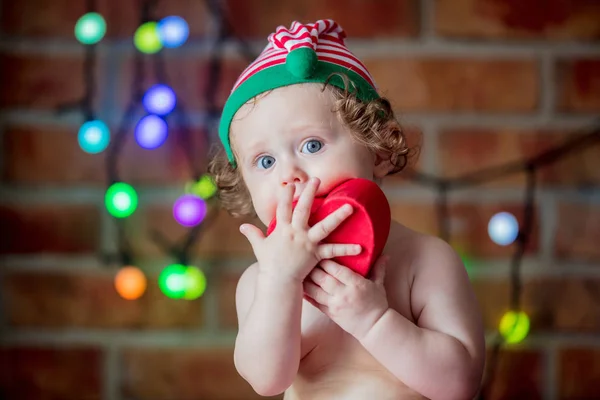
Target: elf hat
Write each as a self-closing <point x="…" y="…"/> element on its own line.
<point x="302" y="54"/>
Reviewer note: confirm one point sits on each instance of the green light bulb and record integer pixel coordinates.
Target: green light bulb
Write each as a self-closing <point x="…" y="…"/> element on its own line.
<point x="195" y="283"/>
<point x="121" y="200"/>
<point x="90" y="28"/>
<point x="206" y="187"/>
<point x="514" y="326"/>
<point x="173" y="281"/>
<point x="146" y="38"/>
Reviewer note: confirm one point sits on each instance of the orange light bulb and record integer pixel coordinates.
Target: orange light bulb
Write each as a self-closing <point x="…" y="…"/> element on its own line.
<point x="130" y="283"/>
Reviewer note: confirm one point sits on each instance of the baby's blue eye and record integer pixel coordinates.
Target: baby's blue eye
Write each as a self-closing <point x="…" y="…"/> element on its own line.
<point x="265" y="162"/>
<point x="312" y="146"/>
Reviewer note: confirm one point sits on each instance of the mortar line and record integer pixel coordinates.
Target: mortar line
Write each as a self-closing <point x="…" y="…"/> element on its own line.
<point x="434" y="46"/>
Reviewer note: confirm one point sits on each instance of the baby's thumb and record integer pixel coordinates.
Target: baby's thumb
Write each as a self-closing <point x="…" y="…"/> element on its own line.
<point x="252" y="233"/>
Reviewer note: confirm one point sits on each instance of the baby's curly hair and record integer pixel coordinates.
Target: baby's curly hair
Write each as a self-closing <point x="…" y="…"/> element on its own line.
<point x="371" y="124"/>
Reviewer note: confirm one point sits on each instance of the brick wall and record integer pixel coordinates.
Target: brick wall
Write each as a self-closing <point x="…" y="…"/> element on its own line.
<point x="484" y="81"/>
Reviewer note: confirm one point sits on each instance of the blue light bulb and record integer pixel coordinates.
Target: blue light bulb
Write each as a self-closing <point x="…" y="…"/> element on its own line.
<point x="151" y="132"/>
<point x="173" y="31"/>
<point x="93" y="136"/>
<point x="159" y="100"/>
<point x="503" y="228"/>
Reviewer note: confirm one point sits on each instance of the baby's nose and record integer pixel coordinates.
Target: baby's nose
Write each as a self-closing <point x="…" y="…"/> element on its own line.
<point x="294" y="175"/>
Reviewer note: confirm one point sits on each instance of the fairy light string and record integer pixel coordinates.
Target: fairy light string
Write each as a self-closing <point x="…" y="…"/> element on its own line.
<point x="196" y="208"/>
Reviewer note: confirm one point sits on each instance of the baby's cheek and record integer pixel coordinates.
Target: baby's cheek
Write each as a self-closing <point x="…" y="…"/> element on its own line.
<point x="265" y="206"/>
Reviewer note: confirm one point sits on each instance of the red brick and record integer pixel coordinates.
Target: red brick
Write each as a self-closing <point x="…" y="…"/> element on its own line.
<point x="448" y="84"/>
<point x="49" y="229"/>
<point x="466" y="150"/>
<point x="40" y="19"/>
<point x="513" y="19"/>
<point x="189" y="76"/>
<point x="518" y="375"/>
<point x="33" y="373"/>
<point x="579" y="85"/>
<point x="579" y="373"/>
<point x="221" y="238"/>
<point x="359" y="18"/>
<point x="27" y="159"/>
<point x="431" y="84"/>
<point x="576" y="237"/>
<point x="420" y="217"/>
<point x="552" y="304"/>
<point x="184" y="374"/>
<point x="43" y="81"/>
<point x="74" y="300"/>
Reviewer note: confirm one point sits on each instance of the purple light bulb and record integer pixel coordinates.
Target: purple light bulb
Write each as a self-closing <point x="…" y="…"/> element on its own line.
<point x="189" y="210"/>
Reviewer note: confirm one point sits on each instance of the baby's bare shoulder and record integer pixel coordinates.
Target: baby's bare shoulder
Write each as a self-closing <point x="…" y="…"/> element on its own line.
<point x="420" y="250"/>
<point x="428" y="263"/>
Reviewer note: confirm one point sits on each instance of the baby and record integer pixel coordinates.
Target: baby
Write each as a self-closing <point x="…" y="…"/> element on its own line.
<point x="303" y="117"/>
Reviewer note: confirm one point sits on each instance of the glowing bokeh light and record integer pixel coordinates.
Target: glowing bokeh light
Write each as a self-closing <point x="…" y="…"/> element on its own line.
<point x="146" y="38"/>
<point x="189" y="210"/>
<point x="151" y="132"/>
<point x="159" y="100"/>
<point x="121" y="200"/>
<point x="204" y="188"/>
<point x="514" y="326"/>
<point x="90" y="28"/>
<point x="130" y="283"/>
<point x="173" y="31"/>
<point x="177" y="281"/>
<point x="195" y="283"/>
<point x="503" y="228"/>
<point x="172" y="281"/>
<point x="93" y="136"/>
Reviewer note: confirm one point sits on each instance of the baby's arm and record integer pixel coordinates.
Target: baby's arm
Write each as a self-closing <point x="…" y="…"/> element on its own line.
<point x="442" y="356"/>
<point x="267" y="349"/>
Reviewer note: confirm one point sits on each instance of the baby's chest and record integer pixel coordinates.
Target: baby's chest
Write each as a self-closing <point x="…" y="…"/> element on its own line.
<point x="319" y="330"/>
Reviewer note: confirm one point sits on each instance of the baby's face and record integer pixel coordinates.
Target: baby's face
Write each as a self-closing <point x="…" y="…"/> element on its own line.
<point x="289" y="136"/>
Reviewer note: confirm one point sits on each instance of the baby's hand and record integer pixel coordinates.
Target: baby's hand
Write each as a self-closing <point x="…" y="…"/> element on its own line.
<point x="353" y="302"/>
<point x="292" y="250"/>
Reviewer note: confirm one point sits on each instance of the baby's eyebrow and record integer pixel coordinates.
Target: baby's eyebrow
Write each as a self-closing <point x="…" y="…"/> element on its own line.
<point x="254" y="146"/>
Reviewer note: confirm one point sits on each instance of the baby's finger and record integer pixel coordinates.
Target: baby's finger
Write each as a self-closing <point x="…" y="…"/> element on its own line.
<point x="331" y="250"/>
<point x="284" y="206"/>
<point x="301" y="212"/>
<point x="323" y="228"/>
<point x="327" y="282"/>
<point x="315" y="292"/>
<point x="253" y="234"/>
<point x="312" y="301"/>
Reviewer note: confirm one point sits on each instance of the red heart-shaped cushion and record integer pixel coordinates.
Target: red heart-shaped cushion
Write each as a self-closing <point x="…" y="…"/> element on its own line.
<point x="369" y="224"/>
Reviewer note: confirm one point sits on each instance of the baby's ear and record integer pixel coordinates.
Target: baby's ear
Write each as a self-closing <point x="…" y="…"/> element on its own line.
<point x="383" y="164"/>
